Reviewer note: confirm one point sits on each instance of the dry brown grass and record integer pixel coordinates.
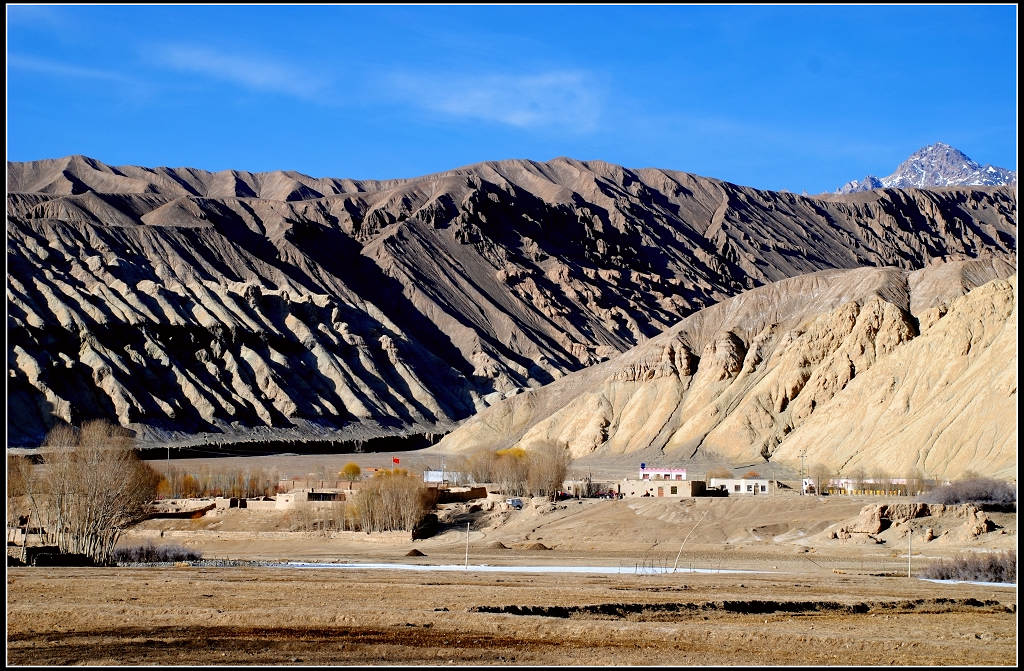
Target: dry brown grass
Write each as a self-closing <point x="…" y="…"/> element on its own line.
<point x="235" y="616"/>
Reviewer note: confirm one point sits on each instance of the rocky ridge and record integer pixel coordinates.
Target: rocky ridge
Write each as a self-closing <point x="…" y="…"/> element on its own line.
<point x="182" y="303"/>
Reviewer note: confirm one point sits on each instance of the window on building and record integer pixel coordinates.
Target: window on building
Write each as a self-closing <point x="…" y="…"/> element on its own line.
<point x="736" y="488"/>
<point x="675" y="490"/>
<point x="750" y="488"/>
<point x="764" y="488"/>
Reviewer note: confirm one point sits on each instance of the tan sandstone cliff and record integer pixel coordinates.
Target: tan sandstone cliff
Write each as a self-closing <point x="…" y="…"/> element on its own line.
<point x="867" y="368"/>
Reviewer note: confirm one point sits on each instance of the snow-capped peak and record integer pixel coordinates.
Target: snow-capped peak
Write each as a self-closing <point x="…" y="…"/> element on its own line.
<point x="937" y="164"/>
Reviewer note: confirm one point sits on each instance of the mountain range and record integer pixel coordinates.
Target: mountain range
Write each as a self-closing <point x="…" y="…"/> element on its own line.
<point x="194" y="306"/>
<point x="936" y="165"/>
<point x="874" y="369"/>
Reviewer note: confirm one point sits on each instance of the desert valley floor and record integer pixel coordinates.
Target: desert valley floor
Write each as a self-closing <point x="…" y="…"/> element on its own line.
<point x="809" y="599"/>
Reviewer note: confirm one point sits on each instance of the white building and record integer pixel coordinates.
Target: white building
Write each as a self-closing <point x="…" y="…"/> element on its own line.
<point x="737" y="486"/>
<point x="442" y="476"/>
<point x="662" y="473"/>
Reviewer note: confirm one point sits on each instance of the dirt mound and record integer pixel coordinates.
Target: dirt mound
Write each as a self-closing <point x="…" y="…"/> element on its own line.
<point x="536" y="546"/>
<point x="498" y="545"/>
<point x="415" y="553"/>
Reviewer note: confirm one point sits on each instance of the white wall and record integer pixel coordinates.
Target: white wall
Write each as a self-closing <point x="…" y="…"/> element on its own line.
<point x="731" y="484"/>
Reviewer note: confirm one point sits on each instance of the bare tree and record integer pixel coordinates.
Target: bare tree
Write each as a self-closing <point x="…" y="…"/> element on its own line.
<point x="25" y="492"/>
<point x="15" y="494"/>
<point x="97" y="487"/>
<point x="820" y="473"/>
<point x="301" y="517"/>
<point x="858" y="476"/>
<point x="880" y="480"/>
<point x="548" y="464"/>
<point x="915" y="482"/>
<point x="390" y="500"/>
<point x="511" y="471"/>
<point x="480" y="465"/>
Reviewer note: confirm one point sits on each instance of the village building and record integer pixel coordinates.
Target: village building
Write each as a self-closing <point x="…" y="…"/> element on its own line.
<point x="662" y="473"/>
<point x="441" y="476"/>
<point x="737" y="486"/>
<point x="661" y="487"/>
<point x="584" y="488"/>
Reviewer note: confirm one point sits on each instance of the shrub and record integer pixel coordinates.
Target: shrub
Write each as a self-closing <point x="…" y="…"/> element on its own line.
<point x="988" y="567"/>
<point x="148" y="552"/>
<point x="974" y="490"/>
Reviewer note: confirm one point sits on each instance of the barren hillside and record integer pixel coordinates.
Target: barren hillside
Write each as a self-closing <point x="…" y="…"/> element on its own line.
<point x="181" y="302"/>
<point x="873" y="368"/>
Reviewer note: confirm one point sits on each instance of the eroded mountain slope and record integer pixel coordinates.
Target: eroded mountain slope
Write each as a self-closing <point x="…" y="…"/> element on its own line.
<point x="180" y="301"/>
<point x="874" y="368"/>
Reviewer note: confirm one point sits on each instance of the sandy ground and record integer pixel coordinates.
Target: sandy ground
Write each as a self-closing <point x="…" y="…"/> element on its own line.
<point x="249" y="616"/>
<point x="814" y="600"/>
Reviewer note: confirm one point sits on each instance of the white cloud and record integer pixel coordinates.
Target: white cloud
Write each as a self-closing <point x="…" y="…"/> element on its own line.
<point x="59" y="69"/>
<point x="561" y="99"/>
<point x="245" y="70"/>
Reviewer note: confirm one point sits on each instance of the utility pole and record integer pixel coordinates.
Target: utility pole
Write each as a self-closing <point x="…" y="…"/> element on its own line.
<point x="910" y="541"/>
<point x="467" y="546"/>
<point x="803" y="470"/>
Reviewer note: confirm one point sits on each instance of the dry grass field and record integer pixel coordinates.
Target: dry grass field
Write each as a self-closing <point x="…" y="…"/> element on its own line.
<point x="810" y="600"/>
<point x="251" y="616"/>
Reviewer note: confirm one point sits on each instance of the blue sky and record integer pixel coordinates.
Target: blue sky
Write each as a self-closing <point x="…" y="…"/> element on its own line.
<point x="776" y="97"/>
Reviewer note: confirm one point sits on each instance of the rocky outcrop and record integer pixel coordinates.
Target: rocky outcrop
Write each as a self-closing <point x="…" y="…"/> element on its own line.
<point x="180" y="302"/>
<point x="888" y="521"/>
<point x="833" y="365"/>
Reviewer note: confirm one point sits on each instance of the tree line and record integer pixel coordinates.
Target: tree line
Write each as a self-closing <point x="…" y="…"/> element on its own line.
<point x="516" y="471"/>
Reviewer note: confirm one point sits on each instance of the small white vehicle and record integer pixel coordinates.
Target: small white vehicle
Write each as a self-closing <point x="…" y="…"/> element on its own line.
<point x="515" y="503"/>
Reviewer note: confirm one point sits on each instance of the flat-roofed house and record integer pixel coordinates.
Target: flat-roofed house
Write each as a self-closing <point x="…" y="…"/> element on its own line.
<point x="737" y="486"/>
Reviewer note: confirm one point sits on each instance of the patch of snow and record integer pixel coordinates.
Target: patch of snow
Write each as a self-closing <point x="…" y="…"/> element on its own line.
<point x="971" y="582"/>
<point x="515" y="569"/>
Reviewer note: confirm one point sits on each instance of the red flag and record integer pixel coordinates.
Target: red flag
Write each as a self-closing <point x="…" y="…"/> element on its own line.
<point x="394" y="459"/>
